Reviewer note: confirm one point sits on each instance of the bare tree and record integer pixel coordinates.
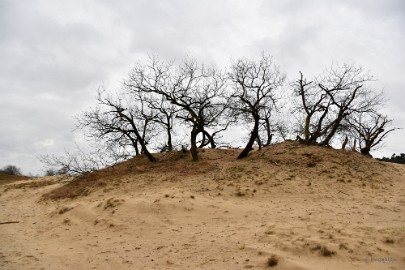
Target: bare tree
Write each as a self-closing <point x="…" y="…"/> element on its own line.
<point x="51" y="172"/>
<point x="266" y="127"/>
<point x="255" y="85"/>
<point x="196" y="91"/>
<point x="315" y="105"/>
<point x="330" y="99"/>
<point x="121" y="121"/>
<point x="371" y="128"/>
<point x="347" y="90"/>
<point x="77" y="162"/>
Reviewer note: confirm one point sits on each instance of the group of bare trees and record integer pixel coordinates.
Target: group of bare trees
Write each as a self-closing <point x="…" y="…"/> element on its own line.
<point x="161" y="101"/>
<point x="203" y="99"/>
<point x="341" y="104"/>
<point x="188" y="92"/>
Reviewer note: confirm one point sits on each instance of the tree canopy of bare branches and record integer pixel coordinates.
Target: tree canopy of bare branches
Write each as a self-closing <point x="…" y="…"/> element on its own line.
<point x="254" y="95"/>
<point x="197" y="92"/>
<point x="329" y="100"/>
<point x="370" y="129"/>
<point x="75" y="163"/>
<point x="121" y="121"/>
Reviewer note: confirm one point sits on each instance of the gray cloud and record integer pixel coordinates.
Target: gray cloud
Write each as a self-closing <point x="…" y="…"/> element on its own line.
<point x="55" y="54"/>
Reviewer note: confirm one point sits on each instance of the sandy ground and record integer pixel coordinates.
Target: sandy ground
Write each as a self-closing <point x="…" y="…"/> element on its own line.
<point x="310" y="209"/>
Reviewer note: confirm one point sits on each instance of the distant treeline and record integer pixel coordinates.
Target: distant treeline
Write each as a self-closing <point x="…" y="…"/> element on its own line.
<point x="11" y="170"/>
<point x="395" y="158"/>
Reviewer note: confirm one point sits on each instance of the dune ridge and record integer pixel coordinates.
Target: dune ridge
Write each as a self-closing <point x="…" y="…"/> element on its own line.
<point x="288" y="206"/>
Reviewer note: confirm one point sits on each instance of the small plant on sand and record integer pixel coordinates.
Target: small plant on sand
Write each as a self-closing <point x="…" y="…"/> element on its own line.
<point x="64" y="210"/>
<point x="112" y="203"/>
<point x="389" y="241"/>
<point x="323" y="251"/>
<point x="272" y="261"/>
<point x="66" y="221"/>
<point x="311" y="164"/>
<point x="342" y="246"/>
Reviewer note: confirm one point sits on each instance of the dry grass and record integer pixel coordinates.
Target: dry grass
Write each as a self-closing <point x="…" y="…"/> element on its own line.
<point x="113" y="203"/>
<point x="389" y="241"/>
<point x="7" y="179"/>
<point x="31" y="184"/>
<point x="64" y="210"/>
<point x="80" y="186"/>
<point x="169" y="163"/>
<point x="289" y="160"/>
<point x="323" y="250"/>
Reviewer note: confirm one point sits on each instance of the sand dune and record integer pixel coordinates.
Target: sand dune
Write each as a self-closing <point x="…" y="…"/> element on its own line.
<point x="288" y="206"/>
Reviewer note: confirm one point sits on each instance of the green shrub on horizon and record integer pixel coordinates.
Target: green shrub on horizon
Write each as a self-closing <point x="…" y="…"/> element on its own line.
<point x="395" y="158"/>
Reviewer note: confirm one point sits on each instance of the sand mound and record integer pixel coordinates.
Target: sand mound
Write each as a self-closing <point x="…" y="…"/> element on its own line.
<point x="288" y="206"/>
<point x="7" y="179"/>
<point x="275" y="165"/>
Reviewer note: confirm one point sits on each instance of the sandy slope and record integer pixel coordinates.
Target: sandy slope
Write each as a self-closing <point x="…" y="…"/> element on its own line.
<point x="304" y="207"/>
<point x="7" y="179"/>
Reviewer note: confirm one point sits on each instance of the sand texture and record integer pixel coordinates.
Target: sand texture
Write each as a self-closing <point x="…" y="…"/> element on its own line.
<point x="288" y="206"/>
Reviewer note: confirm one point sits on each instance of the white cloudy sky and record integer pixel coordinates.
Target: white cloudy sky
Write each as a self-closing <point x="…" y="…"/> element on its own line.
<point x="54" y="54"/>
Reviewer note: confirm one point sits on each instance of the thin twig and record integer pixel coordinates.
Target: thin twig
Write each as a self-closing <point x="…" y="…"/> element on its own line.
<point x="344" y="193"/>
<point x="9" y="222"/>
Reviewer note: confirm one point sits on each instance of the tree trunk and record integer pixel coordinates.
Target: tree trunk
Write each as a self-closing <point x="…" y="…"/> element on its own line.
<point x="169" y="140"/>
<point x="335" y="126"/>
<point x="354" y="145"/>
<point x="269" y="136"/>
<point x="136" y="147"/>
<point x="259" y="142"/>
<point x="149" y="155"/>
<point x="193" y="149"/>
<point x="253" y="136"/>
<point x="365" y="151"/>
<point x="306" y="128"/>
<point x="143" y="147"/>
<point x="210" y="139"/>
<point x="345" y="142"/>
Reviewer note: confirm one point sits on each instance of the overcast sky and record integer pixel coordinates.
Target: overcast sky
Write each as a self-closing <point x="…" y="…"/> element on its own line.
<point x="55" y="54"/>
